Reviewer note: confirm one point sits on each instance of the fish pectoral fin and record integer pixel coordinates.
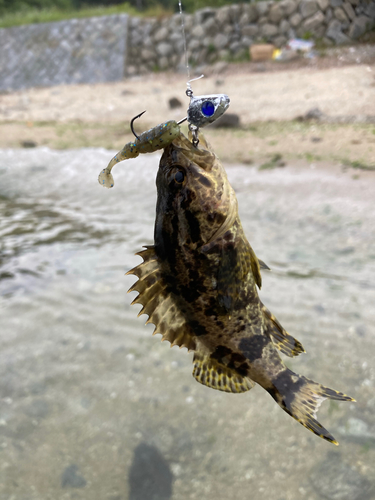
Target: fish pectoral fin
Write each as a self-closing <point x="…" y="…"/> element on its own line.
<point x="263" y="265"/>
<point x="213" y="374"/>
<point x="160" y="304"/>
<point x="255" y="267"/>
<point x="236" y="263"/>
<point x="284" y="342"/>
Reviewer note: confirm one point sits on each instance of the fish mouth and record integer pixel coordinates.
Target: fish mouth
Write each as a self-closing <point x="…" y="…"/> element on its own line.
<point x="203" y="157"/>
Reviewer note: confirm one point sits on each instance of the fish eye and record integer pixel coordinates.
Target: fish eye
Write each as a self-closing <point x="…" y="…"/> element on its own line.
<point x="179" y="176"/>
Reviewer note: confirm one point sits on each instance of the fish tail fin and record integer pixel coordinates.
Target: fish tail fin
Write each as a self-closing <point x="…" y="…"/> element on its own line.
<point x="301" y="398"/>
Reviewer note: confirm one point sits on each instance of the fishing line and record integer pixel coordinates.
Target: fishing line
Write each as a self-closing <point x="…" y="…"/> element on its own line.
<point x="184" y="37"/>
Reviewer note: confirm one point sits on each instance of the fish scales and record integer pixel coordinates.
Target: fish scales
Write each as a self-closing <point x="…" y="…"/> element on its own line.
<point x="198" y="285"/>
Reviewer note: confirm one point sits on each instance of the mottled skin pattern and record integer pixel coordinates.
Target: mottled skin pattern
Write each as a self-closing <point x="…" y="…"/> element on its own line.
<point x="198" y="285"/>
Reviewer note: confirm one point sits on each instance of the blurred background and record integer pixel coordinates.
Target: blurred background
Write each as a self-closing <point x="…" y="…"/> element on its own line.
<point x="91" y="405"/>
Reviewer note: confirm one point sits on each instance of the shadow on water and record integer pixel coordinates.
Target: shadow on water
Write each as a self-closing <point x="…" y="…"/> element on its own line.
<point x="150" y="477"/>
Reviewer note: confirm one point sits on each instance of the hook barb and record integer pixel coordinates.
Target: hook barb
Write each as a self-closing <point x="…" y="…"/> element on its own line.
<point x="132" y="121"/>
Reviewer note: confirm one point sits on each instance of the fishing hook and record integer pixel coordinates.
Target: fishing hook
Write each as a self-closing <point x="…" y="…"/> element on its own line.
<point x="132" y="121"/>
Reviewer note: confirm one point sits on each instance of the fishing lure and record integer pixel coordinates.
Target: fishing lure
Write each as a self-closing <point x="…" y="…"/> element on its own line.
<point x="156" y="138"/>
<point x="202" y="111"/>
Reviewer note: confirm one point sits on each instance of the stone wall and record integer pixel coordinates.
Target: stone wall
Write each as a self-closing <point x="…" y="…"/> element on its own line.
<point x="75" y="51"/>
<point x="228" y="32"/>
<point x="103" y="49"/>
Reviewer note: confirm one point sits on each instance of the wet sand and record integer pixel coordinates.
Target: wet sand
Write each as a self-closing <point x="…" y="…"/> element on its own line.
<point x="268" y="104"/>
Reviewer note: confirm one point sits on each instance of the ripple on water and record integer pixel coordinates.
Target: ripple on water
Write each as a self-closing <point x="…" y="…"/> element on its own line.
<point x="84" y="387"/>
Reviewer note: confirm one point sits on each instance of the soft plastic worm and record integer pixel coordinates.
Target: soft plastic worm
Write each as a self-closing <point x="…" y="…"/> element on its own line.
<point x="156" y="138"/>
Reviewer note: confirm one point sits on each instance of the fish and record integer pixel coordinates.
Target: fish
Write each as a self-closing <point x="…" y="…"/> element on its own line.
<point x="199" y="284"/>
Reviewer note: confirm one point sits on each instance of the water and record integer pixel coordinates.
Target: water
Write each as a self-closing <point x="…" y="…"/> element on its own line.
<point x="92" y="406"/>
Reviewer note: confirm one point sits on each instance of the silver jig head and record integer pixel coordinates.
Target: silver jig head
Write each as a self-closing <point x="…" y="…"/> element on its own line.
<point x="205" y="109"/>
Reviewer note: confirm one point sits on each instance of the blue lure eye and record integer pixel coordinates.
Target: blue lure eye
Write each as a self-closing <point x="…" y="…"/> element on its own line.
<point x="208" y="109"/>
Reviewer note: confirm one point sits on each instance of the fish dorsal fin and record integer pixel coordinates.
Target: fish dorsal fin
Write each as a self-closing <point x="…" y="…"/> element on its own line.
<point x="213" y="374"/>
<point x="159" y="303"/>
<point x="282" y="340"/>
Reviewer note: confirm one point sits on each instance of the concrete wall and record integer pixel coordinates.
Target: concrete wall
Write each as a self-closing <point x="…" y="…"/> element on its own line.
<point x="75" y="51"/>
<point x="103" y="49"/>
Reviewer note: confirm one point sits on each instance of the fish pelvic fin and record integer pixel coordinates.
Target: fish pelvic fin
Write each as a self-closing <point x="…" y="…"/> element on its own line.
<point x="284" y="342"/>
<point x="159" y="303"/>
<point x="213" y="374"/>
<point x="301" y="398"/>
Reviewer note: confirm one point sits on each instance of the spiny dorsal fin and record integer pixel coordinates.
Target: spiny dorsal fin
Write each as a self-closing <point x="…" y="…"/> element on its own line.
<point x="159" y="303"/>
<point x="209" y="372"/>
<point x="282" y="340"/>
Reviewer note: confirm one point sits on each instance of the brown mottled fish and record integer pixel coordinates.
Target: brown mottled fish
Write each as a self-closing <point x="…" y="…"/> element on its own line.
<point x="198" y="285"/>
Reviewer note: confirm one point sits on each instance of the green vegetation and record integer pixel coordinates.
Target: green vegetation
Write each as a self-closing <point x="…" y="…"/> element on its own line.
<point x="358" y="165"/>
<point x="29" y="15"/>
<point x="275" y="162"/>
<point x="18" y="12"/>
<point x="312" y="157"/>
<point x="307" y="35"/>
<point x="242" y="56"/>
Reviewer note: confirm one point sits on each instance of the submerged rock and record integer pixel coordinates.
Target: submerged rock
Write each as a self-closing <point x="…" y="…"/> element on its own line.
<point x="335" y="480"/>
<point x="71" y="478"/>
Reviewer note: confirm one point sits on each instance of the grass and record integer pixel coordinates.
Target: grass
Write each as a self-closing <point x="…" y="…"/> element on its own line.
<point x="358" y="165"/>
<point x="275" y="162"/>
<point x="312" y="157"/>
<point x="265" y="145"/>
<point x="32" y="16"/>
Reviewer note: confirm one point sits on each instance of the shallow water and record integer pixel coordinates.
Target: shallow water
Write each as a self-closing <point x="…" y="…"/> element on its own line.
<point x="92" y="406"/>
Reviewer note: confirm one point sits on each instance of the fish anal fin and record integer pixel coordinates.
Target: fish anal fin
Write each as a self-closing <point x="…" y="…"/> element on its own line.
<point x="301" y="399"/>
<point x="159" y="303"/>
<point x="213" y="374"/>
<point x="282" y="340"/>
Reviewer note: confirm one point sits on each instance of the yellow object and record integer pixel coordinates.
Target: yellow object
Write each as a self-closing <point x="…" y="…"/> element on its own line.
<point x="276" y="54"/>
